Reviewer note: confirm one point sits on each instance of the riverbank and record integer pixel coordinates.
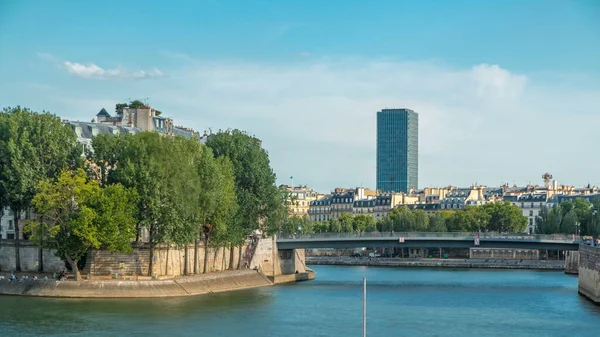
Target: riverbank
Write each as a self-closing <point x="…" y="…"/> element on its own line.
<point x="438" y="263"/>
<point x="182" y="286"/>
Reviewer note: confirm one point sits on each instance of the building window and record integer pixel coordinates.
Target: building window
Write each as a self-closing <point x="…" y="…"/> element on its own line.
<point x="531" y="213"/>
<point x="530" y="221"/>
<point x="522" y="205"/>
<point x="532" y="205"/>
<point x="10" y="225"/>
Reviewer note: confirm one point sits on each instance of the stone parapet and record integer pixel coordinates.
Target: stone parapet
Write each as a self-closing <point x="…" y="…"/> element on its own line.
<point x="589" y="272"/>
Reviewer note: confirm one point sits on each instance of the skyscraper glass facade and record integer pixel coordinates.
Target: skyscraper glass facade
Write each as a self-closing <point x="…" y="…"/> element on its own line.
<point x="397" y="150"/>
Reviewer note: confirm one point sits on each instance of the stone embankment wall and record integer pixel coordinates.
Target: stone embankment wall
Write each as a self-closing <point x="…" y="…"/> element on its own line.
<point x="190" y="285"/>
<point x="589" y="272"/>
<point x="168" y="261"/>
<point x="572" y="263"/>
<point x="30" y="259"/>
<point x="273" y="262"/>
<point x="439" y="263"/>
<point x="505" y="254"/>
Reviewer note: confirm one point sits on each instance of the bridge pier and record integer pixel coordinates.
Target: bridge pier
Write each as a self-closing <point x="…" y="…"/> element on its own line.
<point x="281" y="265"/>
<point x="589" y="273"/>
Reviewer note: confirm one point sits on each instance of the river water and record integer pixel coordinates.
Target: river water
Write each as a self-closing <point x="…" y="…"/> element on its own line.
<point x="401" y="302"/>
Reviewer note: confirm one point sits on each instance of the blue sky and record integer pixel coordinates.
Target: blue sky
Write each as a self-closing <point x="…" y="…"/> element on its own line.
<point x="506" y="90"/>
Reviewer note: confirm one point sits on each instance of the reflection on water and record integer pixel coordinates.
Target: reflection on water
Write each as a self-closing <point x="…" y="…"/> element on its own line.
<point x="401" y="302"/>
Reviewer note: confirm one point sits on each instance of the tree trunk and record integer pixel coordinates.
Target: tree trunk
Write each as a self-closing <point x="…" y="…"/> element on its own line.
<point x="196" y="265"/>
<point x="206" y="252"/>
<point x="186" y="259"/>
<point x="41" y="258"/>
<point x="151" y="259"/>
<point x="231" y="257"/>
<point x="16" y="213"/>
<point x="74" y="268"/>
<point x="223" y="260"/>
<point x="137" y="235"/>
<point x="240" y="257"/>
<point x="167" y="261"/>
<point x="214" y="266"/>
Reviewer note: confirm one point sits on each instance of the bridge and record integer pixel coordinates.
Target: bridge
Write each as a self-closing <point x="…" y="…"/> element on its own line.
<point x="430" y="240"/>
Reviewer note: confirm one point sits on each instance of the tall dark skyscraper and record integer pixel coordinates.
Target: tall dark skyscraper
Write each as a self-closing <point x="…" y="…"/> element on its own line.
<point x="397" y="150"/>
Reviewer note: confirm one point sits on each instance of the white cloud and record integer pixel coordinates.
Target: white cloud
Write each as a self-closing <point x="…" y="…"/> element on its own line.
<point x="94" y="71"/>
<point x="481" y="124"/>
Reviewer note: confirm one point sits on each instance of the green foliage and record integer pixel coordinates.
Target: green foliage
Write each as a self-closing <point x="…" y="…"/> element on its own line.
<point x="569" y="217"/>
<point x="258" y="198"/>
<point x="504" y="217"/>
<point x="569" y="223"/>
<point x="33" y="147"/>
<point x="76" y="215"/>
<point x="437" y="223"/>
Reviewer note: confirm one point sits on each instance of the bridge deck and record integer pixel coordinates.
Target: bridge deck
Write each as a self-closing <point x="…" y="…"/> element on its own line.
<point x="415" y="240"/>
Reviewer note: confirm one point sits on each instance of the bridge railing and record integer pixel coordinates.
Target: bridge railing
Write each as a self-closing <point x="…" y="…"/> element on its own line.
<point x="460" y="235"/>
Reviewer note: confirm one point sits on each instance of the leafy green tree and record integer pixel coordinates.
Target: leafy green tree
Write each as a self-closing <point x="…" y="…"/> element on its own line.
<point x="364" y="223"/>
<point x="385" y="224"/>
<point x="346" y="222"/>
<point x="421" y="220"/>
<point x="146" y="166"/>
<point x="78" y="215"/>
<point x="505" y="217"/>
<point x="583" y="210"/>
<point x="403" y="219"/>
<point x="470" y="219"/>
<point x="226" y="206"/>
<point x="321" y="227"/>
<point x="258" y="197"/>
<point x="554" y="220"/>
<point x="569" y="223"/>
<point x="437" y="223"/>
<point x="541" y="221"/>
<point x="335" y="226"/>
<point x="306" y="226"/>
<point x="33" y="147"/>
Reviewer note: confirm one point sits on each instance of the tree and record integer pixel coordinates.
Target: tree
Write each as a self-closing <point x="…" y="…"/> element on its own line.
<point x="541" y="221"/>
<point x="78" y="215"/>
<point x="421" y="221"/>
<point x="33" y="146"/>
<point x="346" y="223"/>
<point x="505" y="217"/>
<point x="258" y="198"/>
<point x="335" y="226"/>
<point x="569" y="223"/>
<point x="403" y="219"/>
<point x="226" y="203"/>
<point x="437" y="223"/>
<point x="469" y="219"/>
<point x="554" y="220"/>
<point x="321" y="227"/>
<point x="364" y="223"/>
<point x="148" y="166"/>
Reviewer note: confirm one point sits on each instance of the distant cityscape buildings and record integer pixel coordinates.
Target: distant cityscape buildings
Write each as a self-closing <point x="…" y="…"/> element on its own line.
<point x="397" y="150"/>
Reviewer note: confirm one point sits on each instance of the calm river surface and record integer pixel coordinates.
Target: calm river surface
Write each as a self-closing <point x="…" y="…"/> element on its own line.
<point x="401" y="302"/>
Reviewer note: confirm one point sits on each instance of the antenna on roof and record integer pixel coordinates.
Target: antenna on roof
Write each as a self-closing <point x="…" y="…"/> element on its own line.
<point x="146" y="101"/>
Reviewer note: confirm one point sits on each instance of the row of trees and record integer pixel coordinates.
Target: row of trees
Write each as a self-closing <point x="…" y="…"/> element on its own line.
<point x="176" y="189"/>
<point x="492" y="217"/>
<point x="578" y="217"/>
